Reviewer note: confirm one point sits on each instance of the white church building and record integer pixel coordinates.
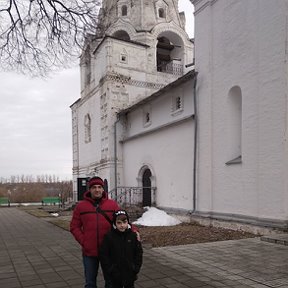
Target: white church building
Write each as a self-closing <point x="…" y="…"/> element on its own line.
<point x="205" y="141"/>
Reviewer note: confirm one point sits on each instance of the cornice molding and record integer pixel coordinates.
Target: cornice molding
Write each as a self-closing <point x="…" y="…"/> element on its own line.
<point x="159" y="128"/>
<point x="119" y="78"/>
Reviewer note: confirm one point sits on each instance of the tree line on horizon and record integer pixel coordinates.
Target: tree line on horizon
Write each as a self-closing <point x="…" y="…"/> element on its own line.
<point x="45" y="178"/>
<point x="27" y="192"/>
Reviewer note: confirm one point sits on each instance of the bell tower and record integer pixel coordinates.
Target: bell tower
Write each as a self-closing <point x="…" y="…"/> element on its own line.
<point x="139" y="48"/>
<point x="143" y="15"/>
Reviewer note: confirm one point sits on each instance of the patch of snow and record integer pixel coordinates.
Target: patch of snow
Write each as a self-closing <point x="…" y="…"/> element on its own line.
<point x="55" y="214"/>
<point x="156" y="217"/>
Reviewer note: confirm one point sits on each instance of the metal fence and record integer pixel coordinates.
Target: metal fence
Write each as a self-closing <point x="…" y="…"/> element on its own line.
<point x="171" y="68"/>
<point x="130" y="196"/>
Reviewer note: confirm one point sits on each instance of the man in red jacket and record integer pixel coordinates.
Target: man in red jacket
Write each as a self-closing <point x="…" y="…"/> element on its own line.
<point x="91" y="220"/>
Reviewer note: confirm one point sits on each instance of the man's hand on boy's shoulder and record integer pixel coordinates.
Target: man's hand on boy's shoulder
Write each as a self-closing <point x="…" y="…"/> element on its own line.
<point x="138" y="236"/>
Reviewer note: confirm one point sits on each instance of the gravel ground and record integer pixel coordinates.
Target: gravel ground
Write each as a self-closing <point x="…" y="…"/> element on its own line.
<point x="188" y="234"/>
<point x="160" y="236"/>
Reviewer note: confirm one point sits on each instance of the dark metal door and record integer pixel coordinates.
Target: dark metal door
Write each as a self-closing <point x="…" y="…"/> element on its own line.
<point x="105" y="185"/>
<point x="146" y="181"/>
<point x="81" y="187"/>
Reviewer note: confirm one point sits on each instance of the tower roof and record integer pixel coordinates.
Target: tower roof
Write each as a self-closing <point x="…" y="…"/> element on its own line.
<point x="143" y="15"/>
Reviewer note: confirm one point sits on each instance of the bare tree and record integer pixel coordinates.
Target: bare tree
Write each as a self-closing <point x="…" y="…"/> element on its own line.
<point x="65" y="190"/>
<point x="37" y="36"/>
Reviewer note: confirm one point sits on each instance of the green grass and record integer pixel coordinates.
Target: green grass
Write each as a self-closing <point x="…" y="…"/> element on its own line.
<point x="40" y="213"/>
<point x="35" y="211"/>
<point x="64" y="224"/>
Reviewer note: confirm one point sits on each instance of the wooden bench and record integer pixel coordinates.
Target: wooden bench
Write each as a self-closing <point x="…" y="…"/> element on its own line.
<point x="4" y="201"/>
<point x="51" y="200"/>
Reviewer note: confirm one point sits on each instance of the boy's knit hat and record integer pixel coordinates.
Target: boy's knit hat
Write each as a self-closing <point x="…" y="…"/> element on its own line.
<point x="95" y="181"/>
<point x="120" y="215"/>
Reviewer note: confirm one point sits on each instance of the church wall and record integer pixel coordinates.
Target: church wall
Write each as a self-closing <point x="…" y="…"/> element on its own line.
<point x="99" y="68"/>
<point x="142" y="13"/>
<point x="116" y="74"/>
<point x="137" y="74"/>
<point x="169" y="154"/>
<point x="243" y="44"/>
<point x="161" y="110"/>
<point x="136" y="58"/>
<point x="164" y="144"/>
<point x="140" y="64"/>
<point x="203" y="95"/>
<point x="89" y="152"/>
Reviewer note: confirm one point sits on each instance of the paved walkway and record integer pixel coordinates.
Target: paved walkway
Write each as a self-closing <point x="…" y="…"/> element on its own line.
<point x="37" y="254"/>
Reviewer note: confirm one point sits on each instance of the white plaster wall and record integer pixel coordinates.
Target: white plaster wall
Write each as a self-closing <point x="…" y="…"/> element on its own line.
<point x="166" y="146"/>
<point x="141" y="63"/>
<point x="144" y="81"/>
<point x="136" y="57"/>
<point x="89" y="152"/>
<point x="169" y="154"/>
<point x="243" y="43"/>
<point x="203" y="95"/>
<point x="100" y="63"/>
<point x="160" y="110"/>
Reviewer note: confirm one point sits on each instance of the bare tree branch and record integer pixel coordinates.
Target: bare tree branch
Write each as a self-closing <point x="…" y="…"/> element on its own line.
<point x="37" y="36"/>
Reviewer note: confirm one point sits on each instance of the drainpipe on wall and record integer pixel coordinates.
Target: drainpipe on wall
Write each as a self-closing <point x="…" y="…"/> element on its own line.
<point x="195" y="138"/>
<point x="195" y="144"/>
<point x="115" y="154"/>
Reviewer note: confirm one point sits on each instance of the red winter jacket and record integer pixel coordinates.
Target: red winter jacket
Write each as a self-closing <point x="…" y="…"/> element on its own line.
<point x="88" y="225"/>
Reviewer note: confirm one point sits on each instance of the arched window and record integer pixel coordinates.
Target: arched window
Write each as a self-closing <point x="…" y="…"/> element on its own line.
<point x="178" y="103"/>
<point x="147" y="116"/>
<point x="123" y="35"/>
<point x="161" y="13"/>
<point x="146" y="182"/>
<point x="235" y="125"/>
<point x="124" y="10"/>
<point x="164" y="48"/>
<point x="170" y="53"/>
<point x="87" y="127"/>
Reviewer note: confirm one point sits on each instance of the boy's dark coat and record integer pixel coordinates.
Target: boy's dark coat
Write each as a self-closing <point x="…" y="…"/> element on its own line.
<point x="121" y="255"/>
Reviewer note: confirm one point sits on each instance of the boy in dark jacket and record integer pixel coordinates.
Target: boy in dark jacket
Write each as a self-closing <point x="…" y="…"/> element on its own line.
<point x="121" y="252"/>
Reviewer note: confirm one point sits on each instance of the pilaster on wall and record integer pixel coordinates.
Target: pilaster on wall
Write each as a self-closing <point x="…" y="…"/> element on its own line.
<point x="104" y="126"/>
<point x="203" y="65"/>
<point x="201" y="5"/>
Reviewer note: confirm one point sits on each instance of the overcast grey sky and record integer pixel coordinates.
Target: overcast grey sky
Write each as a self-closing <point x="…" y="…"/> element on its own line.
<point x="35" y="119"/>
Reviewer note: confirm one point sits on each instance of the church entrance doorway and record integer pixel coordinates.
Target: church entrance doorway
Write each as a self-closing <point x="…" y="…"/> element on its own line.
<point x="81" y="188"/>
<point x="146" y="183"/>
